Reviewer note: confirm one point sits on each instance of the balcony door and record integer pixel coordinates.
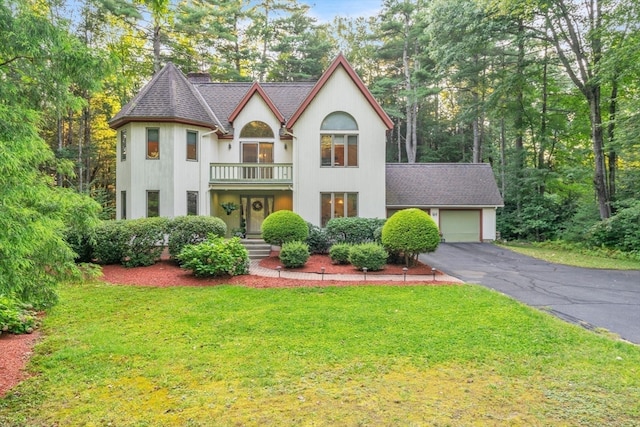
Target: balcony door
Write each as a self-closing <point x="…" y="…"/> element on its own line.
<point x="257" y="139"/>
<point x="255" y="209"/>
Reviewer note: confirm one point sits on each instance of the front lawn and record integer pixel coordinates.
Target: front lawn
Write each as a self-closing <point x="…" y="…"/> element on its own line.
<point x="230" y="355"/>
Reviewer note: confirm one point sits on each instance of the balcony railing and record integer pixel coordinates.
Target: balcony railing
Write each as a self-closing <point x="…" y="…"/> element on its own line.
<point x="251" y="173"/>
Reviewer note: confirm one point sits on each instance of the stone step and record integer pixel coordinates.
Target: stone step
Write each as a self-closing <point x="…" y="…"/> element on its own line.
<point x="257" y="248"/>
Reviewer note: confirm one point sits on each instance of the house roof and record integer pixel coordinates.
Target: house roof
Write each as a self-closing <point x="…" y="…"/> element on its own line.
<point x="341" y="61"/>
<point x="441" y="185"/>
<point x="169" y="96"/>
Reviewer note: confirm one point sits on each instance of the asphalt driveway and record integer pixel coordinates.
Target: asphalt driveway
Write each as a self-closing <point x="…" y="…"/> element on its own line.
<point x="607" y="299"/>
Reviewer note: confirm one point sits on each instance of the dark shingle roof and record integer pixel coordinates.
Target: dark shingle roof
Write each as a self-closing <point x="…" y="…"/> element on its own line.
<point x="168" y="96"/>
<point x="224" y="97"/>
<point x="441" y="184"/>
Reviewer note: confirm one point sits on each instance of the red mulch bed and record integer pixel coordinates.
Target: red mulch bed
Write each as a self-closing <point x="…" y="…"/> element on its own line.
<point x="15" y="350"/>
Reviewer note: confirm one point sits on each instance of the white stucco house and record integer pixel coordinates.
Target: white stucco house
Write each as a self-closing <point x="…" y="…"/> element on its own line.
<point x="189" y="146"/>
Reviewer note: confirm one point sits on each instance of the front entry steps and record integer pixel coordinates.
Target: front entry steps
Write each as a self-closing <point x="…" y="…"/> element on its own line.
<point x="257" y="248"/>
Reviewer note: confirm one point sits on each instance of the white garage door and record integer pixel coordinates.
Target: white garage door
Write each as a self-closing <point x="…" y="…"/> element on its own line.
<point x="460" y="225"/>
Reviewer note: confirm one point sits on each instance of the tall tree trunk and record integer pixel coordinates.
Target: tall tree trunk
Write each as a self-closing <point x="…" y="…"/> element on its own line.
<point x="156" y="48"/>
<point x="597" y="139"/>
<point x="612" y="156"/>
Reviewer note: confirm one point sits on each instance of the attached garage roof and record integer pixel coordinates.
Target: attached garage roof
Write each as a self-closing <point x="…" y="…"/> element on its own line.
<point x="441" y="185"/>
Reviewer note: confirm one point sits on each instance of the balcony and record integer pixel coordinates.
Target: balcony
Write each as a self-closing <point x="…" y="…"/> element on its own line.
<point x="248" y="175"/>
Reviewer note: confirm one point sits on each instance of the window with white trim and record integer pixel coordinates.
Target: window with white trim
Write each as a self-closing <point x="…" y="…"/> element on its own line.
<point x="123" y="145"/>
<point x="192" y="203"/>
<point x="339" y="140"/>
<point x="153" y="203"/>
<point x="153" y="143"/>
<point x="337" y="205"/>
<point x="192" y="145"/>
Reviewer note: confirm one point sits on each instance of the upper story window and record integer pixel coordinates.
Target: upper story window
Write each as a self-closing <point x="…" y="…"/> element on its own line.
<point x="123" y="145"/>
<point x="192" y="145"/>
<point x="153" y="143"/>
<point x="256" y="129"/>
<point x="339" y="140"/>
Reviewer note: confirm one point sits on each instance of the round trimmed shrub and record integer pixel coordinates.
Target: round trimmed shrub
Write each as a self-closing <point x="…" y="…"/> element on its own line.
<point x="410" y="232"/>
<point x="371" y="256"/>
<point x="294" y="254"/>
<point x="216" y="256"/>
<point x="339" y="253"/>
<point x="284" y="226"/>
<point x="192" y="229"/>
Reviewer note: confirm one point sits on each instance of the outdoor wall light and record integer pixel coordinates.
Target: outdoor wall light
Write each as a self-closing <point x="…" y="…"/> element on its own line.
<point x="229" y="146"/>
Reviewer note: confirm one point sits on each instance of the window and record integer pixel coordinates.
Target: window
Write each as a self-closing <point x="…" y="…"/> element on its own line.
<point x="192" y="203"/>
<point x="257" y="147"/>
<point x="123" y="145"/>
<point x="337" y="205"/>
<point x="153" y="203"/>
<point x="339" y="141"/>
<point x="153" y="143"/>
<point x="256" y="129"/>
<point x="123" y="205"/>
<point x="192" y="145"/>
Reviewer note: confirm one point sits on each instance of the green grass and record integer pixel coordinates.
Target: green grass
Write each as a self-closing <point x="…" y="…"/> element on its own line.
<point x="458" y="355"/>
<point x="561" y="254"/>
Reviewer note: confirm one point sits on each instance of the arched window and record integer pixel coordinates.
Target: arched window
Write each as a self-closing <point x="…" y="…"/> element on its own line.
<point x="256" y="129"/>
<point x="256" y="141"/>
<point x="339" y="140"/>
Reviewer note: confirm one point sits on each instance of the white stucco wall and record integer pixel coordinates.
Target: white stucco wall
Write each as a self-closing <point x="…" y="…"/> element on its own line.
<point x="171" y="174"/>
<point x="368" y="179"/>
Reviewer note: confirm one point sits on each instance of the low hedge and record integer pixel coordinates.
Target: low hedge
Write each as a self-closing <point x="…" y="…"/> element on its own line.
<point x="216" y="256"/>
<point x="294" y="254"/>
<point x="318" y="239"/>
<point x="339" y="253"/>
<point x="371" y="256"/>
<point x="353" y="229"/>
<point x="192" y="229"/>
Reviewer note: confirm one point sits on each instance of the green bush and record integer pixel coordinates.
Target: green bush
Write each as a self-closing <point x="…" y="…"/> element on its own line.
<point x="371" y="256"/>
<point x="284" y="226"/>
<point x="16" y="317"/>
<point x="353" y="229"/>
<point x="111" y="242"/>
<point x="339" y="253"/>
<point x="318" y="240"/>
<point x="216" y="256"/>
<point x="191" y="229"/>
<point x="294" y="254"/>
<point x="621" y="231"/>
<point x="410" y="232"/>
<point x="146" y="241"/>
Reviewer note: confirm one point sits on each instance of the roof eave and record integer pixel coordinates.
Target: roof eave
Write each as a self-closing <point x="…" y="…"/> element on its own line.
<point x="341" y="61"/>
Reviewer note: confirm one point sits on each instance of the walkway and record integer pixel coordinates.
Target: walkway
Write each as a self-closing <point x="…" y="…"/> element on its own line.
<point x="256" y="269"/>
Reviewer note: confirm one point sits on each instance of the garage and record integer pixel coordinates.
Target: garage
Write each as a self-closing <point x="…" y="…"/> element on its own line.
<point x="462" y="198"/>
<point x="460" y="225"/>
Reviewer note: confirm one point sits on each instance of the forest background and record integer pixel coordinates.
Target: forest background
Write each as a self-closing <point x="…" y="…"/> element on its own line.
<point x="547" y="92"/>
